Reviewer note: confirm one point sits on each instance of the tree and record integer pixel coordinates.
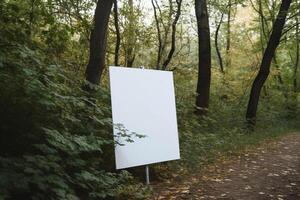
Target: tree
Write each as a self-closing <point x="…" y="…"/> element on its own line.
<point x="158" y="33"/>
<point x="131" y="36"/>
<point x="173" y="36"/>
<point x="98" y="41"/>
<point x="217" y="44"/>
<point x="204" y="50"/>
<point x="228" y="36"/>
<point x="163" y="36"/>
<point x="265" y="31"/>
<point x="266" y="62"/>
<point x="118" y="36"/>
<point x="296" y="66"/>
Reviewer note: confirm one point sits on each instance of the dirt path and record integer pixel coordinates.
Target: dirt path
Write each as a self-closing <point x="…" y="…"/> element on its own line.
<point x="268" y="172"/>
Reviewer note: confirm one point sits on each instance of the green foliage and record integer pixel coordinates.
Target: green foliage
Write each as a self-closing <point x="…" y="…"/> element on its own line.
<point x="223" y="133"/>
<point x="12" y="25"/>
<point x="56" y="139"/>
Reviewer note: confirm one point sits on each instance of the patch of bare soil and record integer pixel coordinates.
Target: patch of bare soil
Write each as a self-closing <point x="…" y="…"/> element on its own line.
<point x="271" y="171"/>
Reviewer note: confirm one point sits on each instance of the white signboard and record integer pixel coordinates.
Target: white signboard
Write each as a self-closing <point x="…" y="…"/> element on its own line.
<point x="143" y="101"/>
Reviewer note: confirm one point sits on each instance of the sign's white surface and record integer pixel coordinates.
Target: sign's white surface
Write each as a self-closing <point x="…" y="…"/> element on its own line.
<point x="143" y="101"/>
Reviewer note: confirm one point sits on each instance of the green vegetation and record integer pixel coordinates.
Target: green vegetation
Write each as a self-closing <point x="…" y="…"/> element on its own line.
<point x="223" y="132"/>
<point x="55" y="138"/>
<point x="56" y="133"/>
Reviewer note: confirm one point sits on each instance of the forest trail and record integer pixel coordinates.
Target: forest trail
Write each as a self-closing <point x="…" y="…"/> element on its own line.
<point x="270" y="171"/>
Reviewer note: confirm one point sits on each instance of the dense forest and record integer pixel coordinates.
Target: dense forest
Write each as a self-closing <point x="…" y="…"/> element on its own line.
<point x="237" y="83"/>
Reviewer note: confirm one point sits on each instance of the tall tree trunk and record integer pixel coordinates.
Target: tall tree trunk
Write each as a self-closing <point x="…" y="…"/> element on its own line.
<point x="204" y="72"/>
<point x="166" y="26"/>
<point x="163" y="35"/>
<point x="173" y="37"/>
<point x="263" y="29"/>
<point x="98" y="39"/>
<point x="265" y="33"/>
<point x="228" y="36"/>
<point x="266" y="62"/>
<point x="278" y="75"/>
<point x="158" y="35"/>
<point x="295" y="83"/>
<point x="130" y="54"/>
<point x="118" y="36"/>
<point x="217" y="44"/>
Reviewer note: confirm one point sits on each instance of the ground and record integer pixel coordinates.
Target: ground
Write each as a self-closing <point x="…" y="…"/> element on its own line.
<point x="269" y="171"/>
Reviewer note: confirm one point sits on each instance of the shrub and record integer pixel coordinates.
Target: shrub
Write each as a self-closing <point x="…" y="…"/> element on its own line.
<point x="56" y="140"/>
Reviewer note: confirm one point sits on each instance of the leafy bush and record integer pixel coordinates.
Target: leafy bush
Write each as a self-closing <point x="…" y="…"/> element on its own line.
<point x="56" y="140"/>
<point x="223" y="131"/>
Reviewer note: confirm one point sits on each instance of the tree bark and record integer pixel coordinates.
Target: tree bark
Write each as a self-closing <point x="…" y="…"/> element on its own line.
<point x="278" y="76"/>
<point x="266" y="62"/>
<point x="217" y="44"/>
<point x="98" y="39"/>
<point x="295" y="83"/>
<point x="228" y="36"/>
<point x="130" y="52"/>
<point x="204" y="72"/>
<point x="163" y="35"/>
<point x="118" y="35"/>
<point x="158" y="35"/>
<point x="265" y="34"/>
<point x="173" y="37"/>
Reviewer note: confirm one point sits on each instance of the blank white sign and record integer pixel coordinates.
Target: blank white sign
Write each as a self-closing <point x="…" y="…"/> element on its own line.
<point x="143" y="101"/>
